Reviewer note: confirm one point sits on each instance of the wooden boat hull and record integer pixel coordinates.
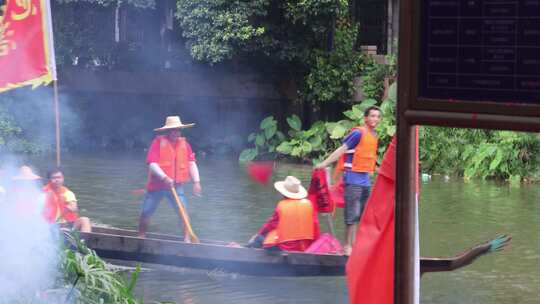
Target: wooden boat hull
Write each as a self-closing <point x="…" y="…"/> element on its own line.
<point x="121" y="244"/>
<point x="164" y="249"/>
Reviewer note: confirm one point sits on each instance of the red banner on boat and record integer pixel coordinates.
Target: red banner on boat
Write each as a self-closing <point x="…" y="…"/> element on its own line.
<point x="26" y="44"/>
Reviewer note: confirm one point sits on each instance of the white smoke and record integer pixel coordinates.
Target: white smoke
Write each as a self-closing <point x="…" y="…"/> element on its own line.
<point x="29" y="247"/>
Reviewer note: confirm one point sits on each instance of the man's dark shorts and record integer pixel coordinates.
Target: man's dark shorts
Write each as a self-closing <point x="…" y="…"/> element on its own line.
<point x="355" y="201"/>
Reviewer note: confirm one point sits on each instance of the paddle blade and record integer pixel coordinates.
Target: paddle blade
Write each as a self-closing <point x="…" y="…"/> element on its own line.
<point x="260" y="172"/>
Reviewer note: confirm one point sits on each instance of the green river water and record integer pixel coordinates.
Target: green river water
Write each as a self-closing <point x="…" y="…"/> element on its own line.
<point x="454" y="215"/>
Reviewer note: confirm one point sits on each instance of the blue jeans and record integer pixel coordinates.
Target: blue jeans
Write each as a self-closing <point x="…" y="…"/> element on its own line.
<point x="153" y="198"/>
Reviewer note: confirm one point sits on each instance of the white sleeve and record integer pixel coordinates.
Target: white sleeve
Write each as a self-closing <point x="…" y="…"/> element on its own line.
<point x="156" y="170"/>
<point x="194" y="172"/>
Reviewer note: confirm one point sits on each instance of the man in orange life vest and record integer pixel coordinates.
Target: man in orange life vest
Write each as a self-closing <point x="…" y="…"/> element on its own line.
<point x="358" y="156"/>
<point x="171" y="162"/>
<point x="294" y="225"/>
<point x="61" y="204"/>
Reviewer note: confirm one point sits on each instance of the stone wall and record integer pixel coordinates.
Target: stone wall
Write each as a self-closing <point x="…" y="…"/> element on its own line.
<point x="120" y="109"/>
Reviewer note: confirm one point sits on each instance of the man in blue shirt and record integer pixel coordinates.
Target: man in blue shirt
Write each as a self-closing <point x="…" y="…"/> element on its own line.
<point x="359" y="154"/>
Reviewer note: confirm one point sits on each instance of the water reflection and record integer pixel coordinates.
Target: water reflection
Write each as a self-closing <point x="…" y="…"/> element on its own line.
<point x="201" y="287"/>
<point x="453" y="216"/>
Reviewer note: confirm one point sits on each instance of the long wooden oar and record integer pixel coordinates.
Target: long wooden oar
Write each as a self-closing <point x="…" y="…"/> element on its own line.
<point x="184" y="216"/>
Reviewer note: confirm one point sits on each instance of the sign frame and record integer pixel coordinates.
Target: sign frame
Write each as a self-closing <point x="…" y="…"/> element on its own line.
<point x="413" y="110"/>
<point x="450" y="112"/>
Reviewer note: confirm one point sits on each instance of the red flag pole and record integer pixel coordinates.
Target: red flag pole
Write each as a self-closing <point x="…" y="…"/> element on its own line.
<point x="57" y="122"/>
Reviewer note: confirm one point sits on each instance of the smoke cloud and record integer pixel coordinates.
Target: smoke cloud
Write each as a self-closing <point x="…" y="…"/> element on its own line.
<point x="28" y="245"/>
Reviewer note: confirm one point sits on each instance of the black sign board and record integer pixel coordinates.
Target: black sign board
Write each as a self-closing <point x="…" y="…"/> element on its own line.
<point x="477" y="51"/>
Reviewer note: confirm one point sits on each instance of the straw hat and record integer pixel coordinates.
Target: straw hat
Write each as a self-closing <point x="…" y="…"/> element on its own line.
<point x="26" y="173"/>
<point x="173" y="122"/>
<point x="291" y="187"/>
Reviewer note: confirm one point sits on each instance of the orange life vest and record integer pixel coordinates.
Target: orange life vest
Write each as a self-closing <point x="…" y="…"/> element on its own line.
<point x="365" y="154"/>
<point x="174" y="160"/>
<point x="295" y="222"/>
<point x="56" y="206"/>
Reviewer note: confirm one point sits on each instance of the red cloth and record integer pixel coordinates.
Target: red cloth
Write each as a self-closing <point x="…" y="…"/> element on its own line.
<point x="337" y="193"/>
<point x="319" y="193"/>
<point x="300" y="245"/>
<point x="370" y="268"/>
<point x="326" y="243"/>
<point x="153" y="157"/>
<point x="260" y="171"/>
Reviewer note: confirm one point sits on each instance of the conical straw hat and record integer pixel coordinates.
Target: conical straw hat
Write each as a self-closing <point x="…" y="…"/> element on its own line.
<point x="174" y="122"/>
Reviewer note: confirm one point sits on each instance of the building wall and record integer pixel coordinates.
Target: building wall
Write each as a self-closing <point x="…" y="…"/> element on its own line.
<point x="120" y="109"/>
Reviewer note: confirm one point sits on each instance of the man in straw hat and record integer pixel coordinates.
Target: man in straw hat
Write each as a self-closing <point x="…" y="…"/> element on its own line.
<point x="24" y="193"/>
<point x="294" y="225"/>
<point x="171" y="163"/>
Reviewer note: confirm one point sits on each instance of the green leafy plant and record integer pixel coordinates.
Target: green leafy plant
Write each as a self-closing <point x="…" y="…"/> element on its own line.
<point x="387" y="127"/>
<point x="304" y="144"/>
<point x="484" y="154"/>
<point x="374" y="75"/>
<point x="12" y="136"/>
<point x="502" y="155"/>
<point x="92" y="279"/>
<point x="332" y="73"/>
<point x="323" y="137"/>
<point x="266" y="141"/>
<point x="218" y="30"/>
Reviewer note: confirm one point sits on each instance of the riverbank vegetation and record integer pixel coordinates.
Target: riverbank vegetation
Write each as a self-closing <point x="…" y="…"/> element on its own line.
<point x="84" y="278"/>
<point x="12" y="137"/>
<point x="92" y="280"/>
<point x="469" y="153"/>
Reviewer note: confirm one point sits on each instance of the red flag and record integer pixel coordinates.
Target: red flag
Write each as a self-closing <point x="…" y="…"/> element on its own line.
<point x="319" y="192"/>
<point x="260" y="171"/>
<point x="26" y="48"/>
<point x="370" y="268"/>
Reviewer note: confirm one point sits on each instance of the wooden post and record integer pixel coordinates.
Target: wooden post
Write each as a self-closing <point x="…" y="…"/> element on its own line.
<point x="405" y="212"/>
<point x="57" y="122"/>
<point x="405" y="220"/>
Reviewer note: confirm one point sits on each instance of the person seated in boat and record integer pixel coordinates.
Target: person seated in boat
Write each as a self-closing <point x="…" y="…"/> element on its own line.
<point x="294" y="225"/>
<point x="23" y="194"/>
<point x="61" y="204"/>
